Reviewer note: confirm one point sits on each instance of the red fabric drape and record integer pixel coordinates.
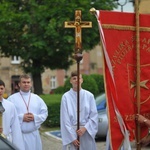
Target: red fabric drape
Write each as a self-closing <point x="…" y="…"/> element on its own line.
<point x="119" y="41"/>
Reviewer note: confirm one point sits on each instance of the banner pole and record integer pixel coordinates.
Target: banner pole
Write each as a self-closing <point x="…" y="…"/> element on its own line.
<point x="138" y="132"/>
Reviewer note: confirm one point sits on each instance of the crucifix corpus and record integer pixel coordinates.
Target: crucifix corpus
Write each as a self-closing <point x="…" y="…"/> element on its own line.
<point x="78" y="24"/>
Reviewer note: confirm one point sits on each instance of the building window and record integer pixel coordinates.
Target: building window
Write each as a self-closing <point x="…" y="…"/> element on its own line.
<point x="53" y="82"/>
<point x="14" y="84"/>
<point x="15" y="60"/>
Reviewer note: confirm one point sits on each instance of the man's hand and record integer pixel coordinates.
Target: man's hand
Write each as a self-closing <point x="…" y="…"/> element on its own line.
<point x="140" y="118"/>
<point x="28" y="117"/>
<point x="76" y="143"/>
<point x="81" y="131"/>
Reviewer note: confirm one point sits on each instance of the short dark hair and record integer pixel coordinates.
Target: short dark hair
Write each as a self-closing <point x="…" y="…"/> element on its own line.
<point x="74" y="73"/>
<point x="2" y="83"/>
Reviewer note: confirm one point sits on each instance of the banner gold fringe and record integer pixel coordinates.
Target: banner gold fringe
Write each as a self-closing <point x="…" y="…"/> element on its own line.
<point x="122" y="27"/>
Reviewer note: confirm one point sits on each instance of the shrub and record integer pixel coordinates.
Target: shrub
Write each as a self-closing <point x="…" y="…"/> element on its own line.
<point x="67" y="85"/>
<point x="59" y="90"/>
<point x="99" y="81"/>
<point x="53" y="103"/>
<point x="90" y="84"/>
<point x="51" y="98"/>
<point x="53" y="119"/>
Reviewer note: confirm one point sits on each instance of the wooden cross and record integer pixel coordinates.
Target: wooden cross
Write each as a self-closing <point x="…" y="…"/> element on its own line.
<point x="78" y="25"/>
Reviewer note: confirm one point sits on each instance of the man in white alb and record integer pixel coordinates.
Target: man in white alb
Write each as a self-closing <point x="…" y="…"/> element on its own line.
<point x="88" y="118"/>
<point x="10" y="123"/>
<point x="32" y="112"/>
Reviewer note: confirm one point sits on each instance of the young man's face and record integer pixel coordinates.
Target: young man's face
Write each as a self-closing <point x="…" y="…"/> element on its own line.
<point x="74" y="82"/>
<point x="25" y="84"/>
<point x="2" y="90"/>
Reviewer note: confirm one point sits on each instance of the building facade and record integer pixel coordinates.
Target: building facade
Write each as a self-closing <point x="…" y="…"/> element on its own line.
<point x="51" y="79"/>
<point x="144" y="6"/>
<point x="9" y="73"/>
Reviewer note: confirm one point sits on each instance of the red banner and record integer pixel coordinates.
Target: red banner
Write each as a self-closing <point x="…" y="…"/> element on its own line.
<point x="118" y="36"/>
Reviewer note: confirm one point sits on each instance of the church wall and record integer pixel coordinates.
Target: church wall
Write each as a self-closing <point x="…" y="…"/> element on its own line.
<point x="144" y="6"/>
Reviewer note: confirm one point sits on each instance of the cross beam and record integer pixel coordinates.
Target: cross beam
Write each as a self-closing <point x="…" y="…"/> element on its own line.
<point x="78" y="24"/>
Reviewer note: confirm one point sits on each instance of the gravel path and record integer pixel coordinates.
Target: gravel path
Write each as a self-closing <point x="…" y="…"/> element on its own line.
<point x="52" y="143"/>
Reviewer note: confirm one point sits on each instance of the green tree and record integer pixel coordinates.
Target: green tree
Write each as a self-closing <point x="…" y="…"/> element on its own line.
<point x="33" y="30"/>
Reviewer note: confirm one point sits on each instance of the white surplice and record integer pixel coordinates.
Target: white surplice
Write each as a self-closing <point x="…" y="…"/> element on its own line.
<point x="11" y="125"/>
<point x="38" y="108"/>
<point x="88" y="119"/>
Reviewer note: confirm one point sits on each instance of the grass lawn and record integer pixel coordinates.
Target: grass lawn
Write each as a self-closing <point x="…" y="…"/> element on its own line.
<point x="51" y="98"/>
<point x="45" y="129"/>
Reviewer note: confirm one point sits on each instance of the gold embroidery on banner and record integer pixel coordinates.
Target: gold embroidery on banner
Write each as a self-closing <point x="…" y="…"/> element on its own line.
<point x="122" y="27"/>
<point x="143" y="84"/>
<point x="131" y="117"/>
<point x="125" y="47"/>
<point x="120" y="52"/>
<point x="146" y="44"/>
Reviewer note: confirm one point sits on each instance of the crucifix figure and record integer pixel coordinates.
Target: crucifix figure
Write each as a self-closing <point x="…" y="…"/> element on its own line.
<point x="78" y="24"/>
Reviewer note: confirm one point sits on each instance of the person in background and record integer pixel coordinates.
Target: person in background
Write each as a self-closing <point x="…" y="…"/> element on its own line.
<point x="88" y="118"/>
<point x="32" y="112"/>
<point x="10" y="122"/>
<point x="145" y="122"/>
<point x="142" y="120"/>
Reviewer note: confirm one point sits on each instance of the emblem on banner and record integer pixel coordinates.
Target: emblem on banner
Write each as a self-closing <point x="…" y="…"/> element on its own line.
<point x="144" y="82"/>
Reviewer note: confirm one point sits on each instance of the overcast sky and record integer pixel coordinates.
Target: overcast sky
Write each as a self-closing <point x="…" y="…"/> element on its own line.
<point x="126" y="8"/>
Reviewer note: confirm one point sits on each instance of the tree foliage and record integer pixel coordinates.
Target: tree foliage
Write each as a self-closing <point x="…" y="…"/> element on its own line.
<point x="34" y="30"/>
